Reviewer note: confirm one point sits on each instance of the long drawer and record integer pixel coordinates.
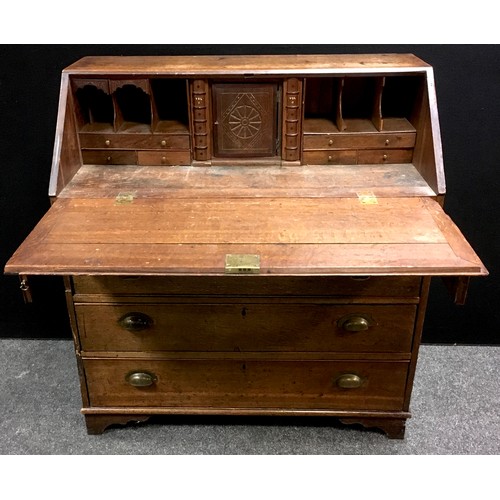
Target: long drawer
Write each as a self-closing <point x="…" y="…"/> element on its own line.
<point x="246" y="383"/>
<point x="367" y="286"/>
<point x="245" y="327"/>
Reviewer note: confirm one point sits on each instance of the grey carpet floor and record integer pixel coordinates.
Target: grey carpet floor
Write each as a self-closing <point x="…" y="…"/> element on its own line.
<point x="455" y="410"/>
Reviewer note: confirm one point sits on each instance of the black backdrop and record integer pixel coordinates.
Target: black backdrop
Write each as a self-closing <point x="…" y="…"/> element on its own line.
<point x="468" y="92"/>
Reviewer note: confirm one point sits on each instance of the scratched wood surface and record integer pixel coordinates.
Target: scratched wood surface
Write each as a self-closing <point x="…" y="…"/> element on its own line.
<point x="247" y="383"/>
<point x="246" y="64"/>
<point x="395" y="236"/>
<point x="104" y="181"/>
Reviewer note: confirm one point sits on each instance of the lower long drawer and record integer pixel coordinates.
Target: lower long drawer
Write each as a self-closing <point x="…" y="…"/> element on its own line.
<point x="246" y="383"/>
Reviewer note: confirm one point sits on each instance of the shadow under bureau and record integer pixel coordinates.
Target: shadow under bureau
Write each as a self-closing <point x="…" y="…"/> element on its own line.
<point x="248" y="235"/>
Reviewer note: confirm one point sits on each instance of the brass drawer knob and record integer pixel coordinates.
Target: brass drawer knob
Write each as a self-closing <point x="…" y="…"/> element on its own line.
<point x="141" y="379"/>
<point x="354" y="323"/>
<point x="163" y="143"/>
<point x="349" y="381"/>
<point x="135" y="322"/>
<point x="107" y="142"/>
<point x="330" y="142"/>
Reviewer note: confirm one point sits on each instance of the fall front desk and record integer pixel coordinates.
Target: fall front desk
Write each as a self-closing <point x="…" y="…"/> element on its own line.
<point x="248" y="235"/>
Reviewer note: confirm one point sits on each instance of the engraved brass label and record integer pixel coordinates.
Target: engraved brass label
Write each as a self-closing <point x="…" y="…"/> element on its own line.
<point x="242" y="263"/>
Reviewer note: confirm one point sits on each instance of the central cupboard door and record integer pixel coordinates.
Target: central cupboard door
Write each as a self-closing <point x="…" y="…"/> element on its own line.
<point x="245" y="119"/>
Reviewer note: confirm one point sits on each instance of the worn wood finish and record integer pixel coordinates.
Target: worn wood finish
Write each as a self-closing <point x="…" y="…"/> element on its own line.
<point x="97" y="424"/>
<point x="248" y="383"/>
<point x="246" y="327"/>
<point x="428" y="155"/>
<point x="99" y="419"/>
<point x="246" y="65"/>
<point x="318" y="181"/>
<point x="66" y="156"/>
<point x="353" y="287"/>
<point x="393" y="427"/>
<point x="326" y="169"/>
<point x="100" y="236"/>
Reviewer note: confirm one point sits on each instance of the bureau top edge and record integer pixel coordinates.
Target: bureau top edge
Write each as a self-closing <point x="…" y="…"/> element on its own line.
<point x="249" y="65"/>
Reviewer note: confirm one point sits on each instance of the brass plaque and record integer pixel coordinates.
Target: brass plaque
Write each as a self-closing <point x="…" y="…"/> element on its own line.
<point x="125" y="198"/>
<point x="242" y="263"/>
<point x="367" y="198"/>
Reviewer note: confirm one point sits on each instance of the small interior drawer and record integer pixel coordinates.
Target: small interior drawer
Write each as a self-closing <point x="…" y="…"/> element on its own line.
<point x="359" y="141"/>
<point x="378" y="156"/>
<point x="108" y="157"/>
<point x="133" y="141"/>
<point x="334" y="157"/>
<point x="164" y="157"/>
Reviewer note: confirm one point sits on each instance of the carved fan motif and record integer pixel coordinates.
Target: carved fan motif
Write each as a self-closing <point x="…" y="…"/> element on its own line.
<point x="245" y="122"/>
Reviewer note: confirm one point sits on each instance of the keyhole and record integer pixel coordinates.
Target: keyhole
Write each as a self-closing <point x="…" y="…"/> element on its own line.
<point x="244" y="312"/>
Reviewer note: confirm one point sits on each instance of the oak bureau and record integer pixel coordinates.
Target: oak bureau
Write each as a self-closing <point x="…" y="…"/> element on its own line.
<point x="248" y="235"/>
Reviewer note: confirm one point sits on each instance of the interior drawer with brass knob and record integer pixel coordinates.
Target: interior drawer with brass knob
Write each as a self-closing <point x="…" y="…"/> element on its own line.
<point x="359" y="141"/>
<point x="108" y="157"/>
<point x="334" y="157"/>
<point x="168" y="157"/>
<point x="246" y="327"/>
<point x="378" y="156"/>
<point x="133" y="141"/>
<point x="247" y="383"/>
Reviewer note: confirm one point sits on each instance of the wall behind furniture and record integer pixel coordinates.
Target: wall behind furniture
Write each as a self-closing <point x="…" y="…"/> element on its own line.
<point x="468" y="91"/>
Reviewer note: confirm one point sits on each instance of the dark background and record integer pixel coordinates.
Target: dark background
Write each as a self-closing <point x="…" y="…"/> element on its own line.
<point x="468" y="93"/>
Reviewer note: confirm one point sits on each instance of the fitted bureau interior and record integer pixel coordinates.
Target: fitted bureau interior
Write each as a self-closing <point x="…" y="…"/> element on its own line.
<point x="375" y="127"/>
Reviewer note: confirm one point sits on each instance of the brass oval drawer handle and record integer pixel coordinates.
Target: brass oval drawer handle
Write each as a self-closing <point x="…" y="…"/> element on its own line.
<point x="141" y="379"/>
<point x="349" y="381"/>
<point x="135" y="321"/>
<point x="354" y="323"/>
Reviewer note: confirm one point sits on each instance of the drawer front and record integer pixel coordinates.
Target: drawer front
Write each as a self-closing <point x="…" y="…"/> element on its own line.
<point x="164" y="158"/>
<point x="246" y="327"/>
<point x="351" y="157"/>
<point x="133" y="141"/>
<point x="333" y="157"/>
<point x="359" y="141"/>
<point x="342" y="385"/>
<point x="330" y="286"/>
<point x="109" y="157"/>
<point x="385" y="156"/>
